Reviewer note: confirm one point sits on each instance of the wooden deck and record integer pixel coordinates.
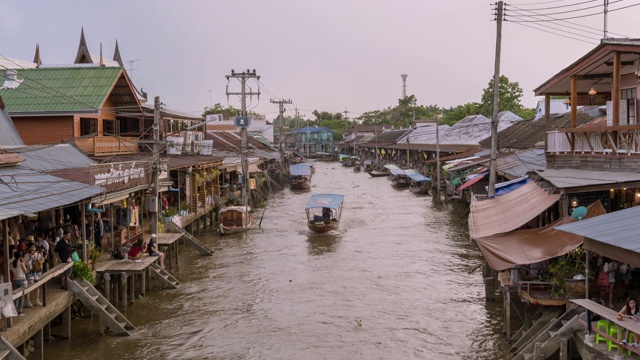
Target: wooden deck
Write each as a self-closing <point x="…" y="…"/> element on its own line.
<point x="113" y="266"/>
<point x="168" y="243"/>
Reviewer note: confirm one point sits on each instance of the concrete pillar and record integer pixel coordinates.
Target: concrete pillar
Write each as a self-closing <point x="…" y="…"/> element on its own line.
<point x="143" y="278"/>
<point x="66" y="323"/>
<point x="123" y="290"/>
<point x="564" y="355"/>
<point x="107" y="286"/>
<point x="38" y="345"/>
<point x="101" y="323"/>
<point x="131" y="284"/>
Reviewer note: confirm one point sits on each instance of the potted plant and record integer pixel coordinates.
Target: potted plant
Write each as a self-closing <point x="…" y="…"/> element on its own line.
<point x="82" y="271"/>
<point x="567" y="272"/>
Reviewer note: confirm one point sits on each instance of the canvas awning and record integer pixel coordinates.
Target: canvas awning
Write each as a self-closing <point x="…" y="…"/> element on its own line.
<point x="303" y="169"/>
<point x="489" y="217"/>
<point x="614" y="235"/>
<point x="472" y="181"/>
<point x="522" y="247"/>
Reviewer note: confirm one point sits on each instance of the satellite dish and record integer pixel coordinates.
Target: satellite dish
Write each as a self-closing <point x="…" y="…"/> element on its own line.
<point x="579" y="212"/>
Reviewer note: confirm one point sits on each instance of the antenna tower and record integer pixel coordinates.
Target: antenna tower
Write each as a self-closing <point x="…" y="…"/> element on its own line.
<point x="404" y="85"/>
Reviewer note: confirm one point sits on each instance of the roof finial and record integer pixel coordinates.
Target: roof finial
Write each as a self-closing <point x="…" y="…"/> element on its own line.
<point x="116" y="55"/>
<point x="36" y="58"/>
<point x="83" y="56"/>
<point x="101" y="60"/>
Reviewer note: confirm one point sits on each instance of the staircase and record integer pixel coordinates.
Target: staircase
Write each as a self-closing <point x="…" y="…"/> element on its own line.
<point x="164" y="276"/>
<point x="189" y="239"/>
<point x="100" y="306"/>
<point x="545" y="337"/>
<point x="9" y="352"/>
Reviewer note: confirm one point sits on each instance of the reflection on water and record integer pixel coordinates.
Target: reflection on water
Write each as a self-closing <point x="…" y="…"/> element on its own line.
<point x="393" y="283"/>
<point x="320" y="244"/>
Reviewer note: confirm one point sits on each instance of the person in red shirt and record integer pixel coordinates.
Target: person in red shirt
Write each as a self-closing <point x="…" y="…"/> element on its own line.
<point x="137" y="250"/>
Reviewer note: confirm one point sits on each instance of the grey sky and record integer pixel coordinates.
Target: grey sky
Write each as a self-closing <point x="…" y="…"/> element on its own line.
<point x="324" y="54"/>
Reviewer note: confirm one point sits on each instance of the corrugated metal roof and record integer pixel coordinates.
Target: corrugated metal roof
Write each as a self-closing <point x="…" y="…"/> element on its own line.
<point x="53" y="158"/>
<point x="9" y="136"/>
<point x="26" y="191"/>
<point x="526" y="134"/>
<point x="519" y="164"/>
<point x="620" y="228"/>
<point x="569" y="178"/>
<point x="64" y="89"/>
<point x="9" y="63"/>
<point x="556" y="106"/>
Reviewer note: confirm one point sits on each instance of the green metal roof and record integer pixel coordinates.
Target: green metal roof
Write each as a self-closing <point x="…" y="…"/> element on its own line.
<point x="63" y="89"/>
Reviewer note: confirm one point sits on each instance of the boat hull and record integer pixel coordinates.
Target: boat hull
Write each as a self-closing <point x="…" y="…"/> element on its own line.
<point x="306" y="185"/>
<point x="377" y="173"/>
<point x="234" y="219"/>
<point x="322" y="226"/>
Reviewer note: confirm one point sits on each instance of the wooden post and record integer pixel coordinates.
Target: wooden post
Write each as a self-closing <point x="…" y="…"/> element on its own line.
<point x="38" y="345"/>
<point x="527" y="315"/>
<point x="123" y="290"/>
<point x="615" y="87"/>
<point x="574" y="109"/>
<point x="66" y="323"/>
<point x="507" y="320"/>
<point x="537" y="351"/>
<point x="5" y="226"/>
<point x="47" y="332"/>
<point x="101" y="323"/>
<point x="107" y="286"/>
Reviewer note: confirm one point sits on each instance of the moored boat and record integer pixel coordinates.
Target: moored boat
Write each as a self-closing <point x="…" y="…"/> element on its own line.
<point x="324" y="212"/>
<point x="374" y="173"/>
<point x="234" y="219"/>
<point x="300" y="176"/>
<point x="420" y="184"/>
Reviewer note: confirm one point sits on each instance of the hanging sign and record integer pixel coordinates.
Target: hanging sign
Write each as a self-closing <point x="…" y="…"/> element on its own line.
<point x="243" y="121"/>
<point x="121" y="175"/>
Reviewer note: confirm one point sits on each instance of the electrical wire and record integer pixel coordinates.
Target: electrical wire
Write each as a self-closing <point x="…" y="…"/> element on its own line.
<point x="578" y="16"/>
<point x="561" y="6"/>
<point x="594" y="31"/>
<point x="568" y="11"/>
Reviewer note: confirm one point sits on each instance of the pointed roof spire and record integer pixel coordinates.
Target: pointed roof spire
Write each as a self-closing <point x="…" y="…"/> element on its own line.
<point x="101" y="59"/>
<point x="36" y="58"/>
<point x="83" y="56"/>
<point x="116" y="55"/>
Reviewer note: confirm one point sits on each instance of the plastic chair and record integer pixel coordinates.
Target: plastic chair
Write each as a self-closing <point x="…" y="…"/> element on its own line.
<point x="606" y="325"/>
<point x="613" y="332"/>
<point x="631" y="338"/>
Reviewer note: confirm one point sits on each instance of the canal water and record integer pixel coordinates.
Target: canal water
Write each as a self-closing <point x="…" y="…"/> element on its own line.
<point x="395" y="282"/>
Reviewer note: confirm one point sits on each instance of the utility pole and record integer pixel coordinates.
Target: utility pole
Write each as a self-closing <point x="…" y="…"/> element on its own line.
<point x="281" y="141"/>
<point x="297" y="129"/>
<point x="156" y="164"/>
<point x="438" y="156"/>
<point x="243" y="77"/>
<point x="496" y="99"/>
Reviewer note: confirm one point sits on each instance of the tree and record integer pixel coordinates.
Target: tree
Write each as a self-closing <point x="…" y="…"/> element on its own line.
<point x="453" y="115"/>
<point x="227" y="113"/>
<point x="509" y="98"/>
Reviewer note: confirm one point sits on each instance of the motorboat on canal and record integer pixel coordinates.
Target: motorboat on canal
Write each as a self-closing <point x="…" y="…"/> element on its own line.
<point x="300" y="176"/>
<point x="368" y="165"/>
<point x="420" y="184"/>
<point x="234" y="219"/>
<point x="374" y="173"/>
<point x="324" y="212"/>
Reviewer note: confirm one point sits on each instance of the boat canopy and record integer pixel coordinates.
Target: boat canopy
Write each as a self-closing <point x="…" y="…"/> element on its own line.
<point x="322" y="153"/>
<point x="418" y="177"/>
<point x="391" y="166"/>
<point x="300" y="169"/>
<point x="368" y="162"/>
<point x="396" y="172"/>
<point x="332" y="201"/>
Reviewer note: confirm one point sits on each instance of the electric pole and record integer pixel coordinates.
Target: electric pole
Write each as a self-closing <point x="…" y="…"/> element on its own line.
<point x="281" y="141"/>
<point x="156" y="165"/>
<point x="496" y="99"/>
<point x="243" y="77"/>
<point x="297" y="129"/>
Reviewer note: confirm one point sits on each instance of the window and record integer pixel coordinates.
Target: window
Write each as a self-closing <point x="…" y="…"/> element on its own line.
<point x="88" y="126"/>
<point x="630" y="96"/>
<point x="109" y="127"/>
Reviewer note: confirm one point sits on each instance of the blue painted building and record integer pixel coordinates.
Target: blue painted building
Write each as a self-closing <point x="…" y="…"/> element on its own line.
<point x="312" y="139"/>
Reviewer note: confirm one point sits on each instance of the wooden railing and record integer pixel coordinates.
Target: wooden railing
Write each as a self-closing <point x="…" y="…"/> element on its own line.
<point x="610" y="140"/>
<point x="104" y="145"/>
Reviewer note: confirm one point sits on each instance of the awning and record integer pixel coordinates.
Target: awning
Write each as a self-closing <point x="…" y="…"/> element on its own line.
<point x="508" y="212"/>
<point x="418" y="177"/>
<point x="614" y="235"/>
<point x="509" y="186"/>
<point x="529" y="246"/>
<point x="253" y="168"/>
<point x="300" y="169"/>
<point x="26" y="191"/>
<point x="472" y="181"/>
<point x="116" y="196"/>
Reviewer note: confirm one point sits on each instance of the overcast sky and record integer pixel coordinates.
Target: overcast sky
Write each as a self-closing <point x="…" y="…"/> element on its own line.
<point x="327" y="55"/>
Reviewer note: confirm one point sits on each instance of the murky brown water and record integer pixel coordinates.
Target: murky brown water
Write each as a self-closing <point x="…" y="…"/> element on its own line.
<point x="392" y="284"/>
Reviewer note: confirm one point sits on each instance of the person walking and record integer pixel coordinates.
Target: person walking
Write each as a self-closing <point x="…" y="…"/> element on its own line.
<point x="19" y="271"/>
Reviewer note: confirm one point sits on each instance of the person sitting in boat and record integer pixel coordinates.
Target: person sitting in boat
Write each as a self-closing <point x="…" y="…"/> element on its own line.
<point x="327" y="214"/>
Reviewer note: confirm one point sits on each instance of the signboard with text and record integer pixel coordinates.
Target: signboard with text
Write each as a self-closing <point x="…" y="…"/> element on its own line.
<point x="121" y="175"/>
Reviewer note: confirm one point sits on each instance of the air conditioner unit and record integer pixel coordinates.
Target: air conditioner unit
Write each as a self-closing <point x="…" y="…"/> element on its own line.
<point x="206" y="147"/>
<point x="174" y="145"/>
<point x="195" y="142"/>
<point x="186" y="145"/>
<point x="213" y="117"/>
<point x="624" y="118"/>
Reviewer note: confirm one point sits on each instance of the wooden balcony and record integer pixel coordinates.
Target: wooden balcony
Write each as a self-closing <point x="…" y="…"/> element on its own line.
<point x="108" y="145"/>
<point x="614" y="148"/>
<point x="604" y="140"/>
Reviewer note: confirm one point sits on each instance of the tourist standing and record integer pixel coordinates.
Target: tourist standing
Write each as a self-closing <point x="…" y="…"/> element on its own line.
<point x="19" y="271"/>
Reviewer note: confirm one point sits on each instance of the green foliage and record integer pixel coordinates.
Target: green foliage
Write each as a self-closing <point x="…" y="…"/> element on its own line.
<point x="566" y="267"/>
<point x="509" y="100"/>
<point x="81" y="271"/>
<point x="94" y="254"/>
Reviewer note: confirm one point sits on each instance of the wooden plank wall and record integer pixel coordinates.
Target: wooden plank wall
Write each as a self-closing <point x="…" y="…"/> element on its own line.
<point x="44" y="130"/>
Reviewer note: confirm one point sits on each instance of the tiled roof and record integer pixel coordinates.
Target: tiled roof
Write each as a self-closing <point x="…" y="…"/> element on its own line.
<point x="61" y="89"/>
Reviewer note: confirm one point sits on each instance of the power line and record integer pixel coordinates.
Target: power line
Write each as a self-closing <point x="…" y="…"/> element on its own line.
<point x="568" y="11"/>
<point x="551" y="32"/>
<point x="593" y="32"/>
<point x="574" y="17"/>
<point x="562" y="6"/>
